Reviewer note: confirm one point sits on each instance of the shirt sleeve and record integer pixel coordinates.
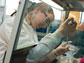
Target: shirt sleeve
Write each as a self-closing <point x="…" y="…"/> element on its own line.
<point x="49" y="58"/>
<point x="46" y="45"/>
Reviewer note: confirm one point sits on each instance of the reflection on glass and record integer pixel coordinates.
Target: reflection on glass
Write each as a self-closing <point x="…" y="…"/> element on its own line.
<point x="36" y="19"/>
<point x="37" y="16"/>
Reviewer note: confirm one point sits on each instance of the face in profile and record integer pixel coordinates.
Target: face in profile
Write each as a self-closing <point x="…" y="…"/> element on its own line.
<point x="39" y="19"/>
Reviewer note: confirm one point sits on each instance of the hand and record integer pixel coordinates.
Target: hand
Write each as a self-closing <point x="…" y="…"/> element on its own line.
<point x="62" y="48"/>
<point x="68" y="27"/>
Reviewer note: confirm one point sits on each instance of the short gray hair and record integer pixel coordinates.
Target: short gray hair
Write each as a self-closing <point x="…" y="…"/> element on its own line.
<point x="44" y="7"/>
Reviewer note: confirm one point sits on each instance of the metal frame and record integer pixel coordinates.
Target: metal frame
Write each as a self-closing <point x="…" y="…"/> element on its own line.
<point x="16" y="31"/>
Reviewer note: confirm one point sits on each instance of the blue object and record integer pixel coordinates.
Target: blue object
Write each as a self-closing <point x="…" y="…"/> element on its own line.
<point x="43" y="30"/>
<point x="64" y="54"/>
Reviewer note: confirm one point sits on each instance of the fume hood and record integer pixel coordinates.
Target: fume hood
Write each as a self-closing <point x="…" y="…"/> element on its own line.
<point x="72" y="5"/>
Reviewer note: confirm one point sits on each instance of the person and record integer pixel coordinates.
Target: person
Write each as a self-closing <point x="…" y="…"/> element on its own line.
<point x="37" y="16"/>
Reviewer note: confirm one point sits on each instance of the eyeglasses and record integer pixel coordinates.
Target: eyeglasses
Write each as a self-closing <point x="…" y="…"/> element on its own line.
<point x="47" y="21"/>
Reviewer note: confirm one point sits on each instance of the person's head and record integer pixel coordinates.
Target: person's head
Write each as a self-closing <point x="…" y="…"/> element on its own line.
<point x="40" y="15"/>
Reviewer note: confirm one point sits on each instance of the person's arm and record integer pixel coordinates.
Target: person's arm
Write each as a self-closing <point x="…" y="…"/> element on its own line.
<point x="44" y="47"/>
<point x="61" y="49"/>
<point x="50" y="41"/>
<point x="49" y="57"/>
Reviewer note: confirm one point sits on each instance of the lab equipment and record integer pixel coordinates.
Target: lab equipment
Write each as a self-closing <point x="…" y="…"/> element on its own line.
<point x="68" y="58"/>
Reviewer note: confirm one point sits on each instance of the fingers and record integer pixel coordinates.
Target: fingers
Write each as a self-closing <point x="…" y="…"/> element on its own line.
<point x="68" y="20"/>
<point x="74" y="24"/>
<point x="69" y="42"/>
<point x="71" y="22"/>
<point x="66" y="43"/>
<point x="61" y="50"/>
<point x="66" y="49"/>
<point x="68" y="27"/>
